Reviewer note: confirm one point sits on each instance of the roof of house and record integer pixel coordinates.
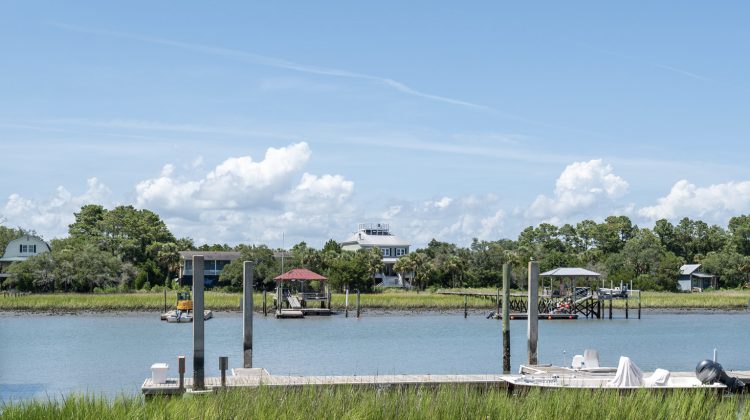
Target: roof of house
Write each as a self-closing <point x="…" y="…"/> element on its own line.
<point x="211" y="255"/>
<point x="689" y="268"/>
<point x="300" y="274"/>
<point x="12" y="254"/>
<point x="570" y="272"/>
<point x="363" y="239"/>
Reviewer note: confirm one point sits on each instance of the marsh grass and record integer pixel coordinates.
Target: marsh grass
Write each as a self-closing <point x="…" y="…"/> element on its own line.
<point x="445" y="402"/>
<point x="396" y="300"/>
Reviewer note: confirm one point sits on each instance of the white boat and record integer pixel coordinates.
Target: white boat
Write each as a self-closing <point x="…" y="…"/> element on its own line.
<point x="586" y="373"/>
<point x="185" y="316"/>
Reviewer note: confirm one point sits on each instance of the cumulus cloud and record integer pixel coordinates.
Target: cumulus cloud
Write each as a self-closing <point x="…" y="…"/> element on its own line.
<point x="53" y="215"/>
<point x="447" y="219"/>
<point x="581" y="186"/>
<point x="716" y="201"/>
<point x="236" y="183"/>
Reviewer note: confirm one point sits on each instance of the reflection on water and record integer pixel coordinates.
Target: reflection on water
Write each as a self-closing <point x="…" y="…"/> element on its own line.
<point x="111" y="354"/>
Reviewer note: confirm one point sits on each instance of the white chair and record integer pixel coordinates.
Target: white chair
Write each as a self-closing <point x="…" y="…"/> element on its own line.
<point x="591" y="358"/>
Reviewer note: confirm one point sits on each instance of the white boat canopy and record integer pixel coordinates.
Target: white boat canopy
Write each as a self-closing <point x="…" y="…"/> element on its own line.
<point x="570" y="272"/>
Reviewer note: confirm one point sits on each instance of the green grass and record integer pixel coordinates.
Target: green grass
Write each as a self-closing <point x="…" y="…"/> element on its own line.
<point x="447" y="402"/>
<point x="394" y="300"/>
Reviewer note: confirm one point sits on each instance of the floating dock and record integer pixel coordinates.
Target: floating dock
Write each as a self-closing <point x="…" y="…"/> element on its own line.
<point x="255" y="377"/>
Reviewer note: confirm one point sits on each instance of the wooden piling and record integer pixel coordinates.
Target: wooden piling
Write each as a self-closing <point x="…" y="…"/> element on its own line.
<point x="610" y="307"/>
<point x="199" y="373"/>
<point x="223" y="366"/>
<point x="346" y="304"/>
<point x="497" y="302"/>
<point x="639" y="304"/>
<point x="533" y="312"/>
<point x="247" y="314"/>
<point x="181" y="371"/>
<point x="627" y="299"/>
<point x="357" y="303"/>
<point x="466" y="306"/>
<point x="165" y="300"/>
<point x="506" y="318"/>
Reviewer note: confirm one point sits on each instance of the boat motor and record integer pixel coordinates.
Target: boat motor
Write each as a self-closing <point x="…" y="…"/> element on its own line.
<point x="709" y="372"/>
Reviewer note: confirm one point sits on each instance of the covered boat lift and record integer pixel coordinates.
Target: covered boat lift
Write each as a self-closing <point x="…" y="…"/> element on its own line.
<point x="301" y="292"/>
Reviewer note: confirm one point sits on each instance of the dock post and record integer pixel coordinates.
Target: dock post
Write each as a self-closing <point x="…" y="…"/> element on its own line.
<point x="223" y="366"/>
<point x="357" y="303"/>
<point x="610" y="307"/>
<point x="198" y="321"/>
<point x="346" y="304"/>
<point x="466" y="306"/>
<point x="627" y="299"/>
<point x="639" y="304"/>
<point x="165" y="300"/>
<point x="533" y="312"/>
<point x="265" y="303"/>
<point x="247" y="314"/>
<point x="506" y="318"/>
<point x="181" y="371"/>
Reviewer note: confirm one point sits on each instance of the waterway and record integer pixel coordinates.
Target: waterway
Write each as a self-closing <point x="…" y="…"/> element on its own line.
<point x="111" y="354"/>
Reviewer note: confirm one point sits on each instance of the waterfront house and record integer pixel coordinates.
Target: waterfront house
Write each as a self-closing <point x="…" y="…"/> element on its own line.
<point x="692" y="280"/>
<point x="213" y="263"/>
<point x="20" y="249"/>
<point x="378" y="235"/>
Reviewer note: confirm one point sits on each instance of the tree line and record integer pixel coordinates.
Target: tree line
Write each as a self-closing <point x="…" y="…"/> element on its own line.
<point x="129" y="249"/>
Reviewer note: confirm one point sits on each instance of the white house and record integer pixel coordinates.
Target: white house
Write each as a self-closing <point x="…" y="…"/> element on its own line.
<point x="20" y="249"/>
<point x="372" y="235"/>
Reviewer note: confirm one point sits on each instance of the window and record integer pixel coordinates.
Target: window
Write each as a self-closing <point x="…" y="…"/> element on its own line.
<point x="400" y="251"/>
<point x="27" y="249"/>
<point x="386" y="252"/>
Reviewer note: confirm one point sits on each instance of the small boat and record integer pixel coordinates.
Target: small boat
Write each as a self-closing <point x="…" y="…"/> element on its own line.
<point x="185" y="316"/>
<point x="585" y="372"/>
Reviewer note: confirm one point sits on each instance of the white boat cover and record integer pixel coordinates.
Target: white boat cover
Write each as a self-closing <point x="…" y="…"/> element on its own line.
<point x="591" y="358"/>
<point x="660" y="377"/>
<point x="628" y="374"/>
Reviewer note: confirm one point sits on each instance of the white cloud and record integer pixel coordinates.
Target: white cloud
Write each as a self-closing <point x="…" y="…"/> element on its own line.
<point x="52" y="216"/>
<point x="580" y="187"/>
<point x="448" y="219"/>
<point x="716" y="201"/>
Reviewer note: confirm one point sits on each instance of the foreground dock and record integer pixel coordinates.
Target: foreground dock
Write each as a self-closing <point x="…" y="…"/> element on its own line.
<point x="255" y="377"/>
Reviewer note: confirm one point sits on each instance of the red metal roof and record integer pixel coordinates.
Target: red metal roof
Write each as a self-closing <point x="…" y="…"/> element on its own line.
<point x="300" y="274"/>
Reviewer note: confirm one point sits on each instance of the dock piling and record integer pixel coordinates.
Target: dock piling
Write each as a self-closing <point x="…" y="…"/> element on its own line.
<point x="610" y="308"/>
<point x="165" y="300"/>
<point x="198" y="324"/>
<point x="533" y="312"/>
<point x="223" y="366"/>
<point x="357" y="303"/>
<point x="466" y="306"/>
<point x="627" y="299"/>
<point x="247" y="314"/>
<point x="506" y="318"/>
<point x="346" y="304"/>
<point x="181" y="371"/>
<point x="265" y="303"/>
<point x="639" y="304"/>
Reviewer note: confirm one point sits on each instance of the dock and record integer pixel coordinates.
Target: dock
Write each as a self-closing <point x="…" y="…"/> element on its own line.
<point x="256" y="377"/>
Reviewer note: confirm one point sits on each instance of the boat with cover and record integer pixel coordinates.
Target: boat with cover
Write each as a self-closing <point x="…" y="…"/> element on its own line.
<point x="585" y="372"/>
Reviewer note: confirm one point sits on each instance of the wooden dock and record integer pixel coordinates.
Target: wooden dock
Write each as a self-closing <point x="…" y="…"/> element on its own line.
<point x="244" y="378"/>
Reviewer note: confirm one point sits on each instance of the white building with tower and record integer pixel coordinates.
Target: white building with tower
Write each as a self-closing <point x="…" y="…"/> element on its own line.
<point x="378" y="235"/>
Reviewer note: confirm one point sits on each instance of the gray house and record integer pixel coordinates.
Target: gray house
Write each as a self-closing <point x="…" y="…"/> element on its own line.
<point x="213" y="263"/>
<point x="691" y="279"/>
<point x="19" y="250"/>
<point x="372" y="235"/>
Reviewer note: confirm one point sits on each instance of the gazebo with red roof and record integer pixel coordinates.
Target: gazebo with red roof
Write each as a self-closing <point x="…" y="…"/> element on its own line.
<point x="299" y="287"/>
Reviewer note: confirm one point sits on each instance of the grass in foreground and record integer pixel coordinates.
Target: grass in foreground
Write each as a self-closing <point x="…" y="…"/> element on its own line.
<point x="448" y="402"/>
<point x="395" y="300"/>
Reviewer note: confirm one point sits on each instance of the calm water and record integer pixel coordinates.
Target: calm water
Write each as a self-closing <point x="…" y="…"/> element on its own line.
<point x="44" y="356"/>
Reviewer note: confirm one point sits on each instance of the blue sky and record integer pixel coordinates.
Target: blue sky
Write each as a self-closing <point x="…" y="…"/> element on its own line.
<point x="239" y="121"/>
